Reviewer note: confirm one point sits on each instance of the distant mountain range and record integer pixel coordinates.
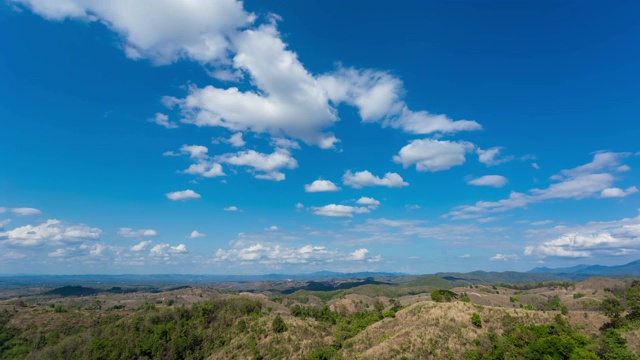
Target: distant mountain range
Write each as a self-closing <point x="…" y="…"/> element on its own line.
<point x="580" y="271"/>
<point x="55" y="280"/>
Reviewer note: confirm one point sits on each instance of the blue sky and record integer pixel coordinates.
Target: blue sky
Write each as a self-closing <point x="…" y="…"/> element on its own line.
<point x="222" y="137"/>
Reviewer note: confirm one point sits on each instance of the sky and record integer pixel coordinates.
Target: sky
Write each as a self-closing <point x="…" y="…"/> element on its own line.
<point x="228" y="137"/>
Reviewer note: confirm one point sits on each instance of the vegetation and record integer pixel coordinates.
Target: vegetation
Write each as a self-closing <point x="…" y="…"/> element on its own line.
<point x="365" y="321"/>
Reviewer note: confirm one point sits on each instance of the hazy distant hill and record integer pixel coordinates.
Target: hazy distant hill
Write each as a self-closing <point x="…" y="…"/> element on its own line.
<point x="510" y="277"/>
<point x="581" y="271"/>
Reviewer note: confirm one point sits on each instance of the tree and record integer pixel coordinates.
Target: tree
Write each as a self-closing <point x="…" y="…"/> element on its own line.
<point x="632" y="298"/>
<point x="436" y="296"/>
<point x="278" y="325"/>
<point x="612" y="309"/>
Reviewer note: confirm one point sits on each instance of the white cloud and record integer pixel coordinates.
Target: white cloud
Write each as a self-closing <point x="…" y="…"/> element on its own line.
<point x="195" y="234"/>
<point x="205" y="169"/>
<point x="179" y="249"/>
<point x="231" y="208"/>
<point x="433" y="155"/>
<point x="98" y="249"/>
<point x="140" y="246"/>
<point x="612" y="238"/>
<point x="163" y="120"/>
<point x="263" y="166"/>
<point x="365" y="178"/>
<point x="283" y="97"/>
<point x="195" y="151"/>
<point x="287" y="93"/>
<point x="131" y="233"/>
<point x="204" y="165"/>
<point x="378" y="97"/>
<point x="272" y="228"/>
<point x="617" y="192"/>
<point x="489" y="180"/>
<point x="183" y="195"/>
<point x="158" y="250"/>
<point x="276" y="254"/>
<point x="49" y="232"/>
<point x="465" y="256"/>
<point x="236" y="140"/>
<point x="504" y="257"/>
<point x="299" y="206"/>
<point x="339" y="210"/>
<point x="371" y="203"/>
<point x="411" y="207"/>
<point x="3" y="210"/>
<point x="491" y="157"/>
<point x="4" y="223"/>
<point x="358" y="255"/>
<point x="199" y="30"/>
<point x="588" y="180"/>
<point x="26" y="211"/>
<point x="321" y="186"/>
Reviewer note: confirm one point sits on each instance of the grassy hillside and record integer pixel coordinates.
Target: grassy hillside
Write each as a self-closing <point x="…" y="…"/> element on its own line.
<point x="372" y="321"/>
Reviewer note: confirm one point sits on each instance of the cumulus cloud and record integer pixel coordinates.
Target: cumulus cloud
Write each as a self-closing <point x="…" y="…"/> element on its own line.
<point x="321" y="186"/>
<point x="287" y="93"/>
<point x="617" y="192"/>
<point x="489" y="180"/>
<point x="378" y="97"/>
<point x="199" y="31"/>
<point x="183" y="195"/>
<point x="371" y="203"/>
<point x="358" y="255"/>
<point x="339" y="210"/>
<point x="365" y="178"/>
<point x="163" y="120"/>
<point x="49" y="232"/>
<point x="131" y="233"/>
<point x="431" y="155"/>
<point x="195" y="234"/>
<point x="584" y="181"/>
<point x="179" y="249"/>
<point x="234" y="140"/>
<point x="283" y="98"/>
<point x="231" y="208"/>
<point x="272" y="228"/>
<point x="612" y="238"/>
<point x="491" y="157"/>
<point x="263" y="166"/>
<point x="26" y="211"/>
<point x="140" y="246"/>
<point x="276" y="254"/>
<point x="504" y="257"/>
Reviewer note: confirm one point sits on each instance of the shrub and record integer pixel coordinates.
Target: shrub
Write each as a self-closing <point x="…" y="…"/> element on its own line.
<point x="475" y="320"/>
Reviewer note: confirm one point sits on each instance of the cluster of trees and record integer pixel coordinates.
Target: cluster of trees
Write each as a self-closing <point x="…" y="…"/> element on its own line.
<point x="171" y="333"/>
<point x="555" y="341"/>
